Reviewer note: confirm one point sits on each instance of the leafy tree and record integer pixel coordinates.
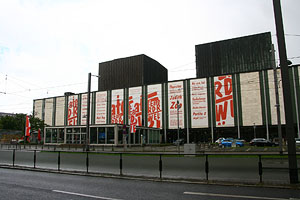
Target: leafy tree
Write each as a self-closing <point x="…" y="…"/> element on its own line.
<point x="17" y="122"/>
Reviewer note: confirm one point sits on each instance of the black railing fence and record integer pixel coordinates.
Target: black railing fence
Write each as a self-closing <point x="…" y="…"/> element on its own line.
<point x="251" y="168"/>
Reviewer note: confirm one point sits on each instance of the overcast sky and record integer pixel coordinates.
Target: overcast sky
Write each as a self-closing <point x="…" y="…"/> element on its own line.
<point x="48" y="47"/>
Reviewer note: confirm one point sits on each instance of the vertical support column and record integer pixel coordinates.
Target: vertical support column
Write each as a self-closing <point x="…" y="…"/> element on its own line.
<point x="58" y="161"/>
<point x="14" y="157"/>
<point x="160" y="166"/>
<point x="187" y="111"/>
<point x="164" y="110"/>
<point x="260" y="168"/>
<point x="121" y="165"/>
<point x="211" y="109"/>
<point x="34" y="158"/>
<point x="206" y="167"/>
<point x="87" y="162"/>
<point x="237" y="106"/>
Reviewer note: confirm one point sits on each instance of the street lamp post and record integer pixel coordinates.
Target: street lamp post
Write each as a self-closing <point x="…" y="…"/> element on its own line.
<point x="88" y="114"/>
<point x="254" y="126"/>
<point x="288" y="110"/>
<point x="87" y="139"/>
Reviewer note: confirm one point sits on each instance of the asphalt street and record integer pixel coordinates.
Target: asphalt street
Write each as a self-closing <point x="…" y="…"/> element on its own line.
<point x="28" y="185"/>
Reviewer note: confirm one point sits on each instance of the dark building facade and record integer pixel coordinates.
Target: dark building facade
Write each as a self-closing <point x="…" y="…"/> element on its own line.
<point x="238" y="55"/>
<point x="130" y="71"/>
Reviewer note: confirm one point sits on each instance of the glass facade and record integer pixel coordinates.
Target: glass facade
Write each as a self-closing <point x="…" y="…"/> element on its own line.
<point x="101" y="135"/>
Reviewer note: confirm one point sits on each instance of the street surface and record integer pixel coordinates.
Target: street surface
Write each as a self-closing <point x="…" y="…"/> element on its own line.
<point x="27" y="185"/>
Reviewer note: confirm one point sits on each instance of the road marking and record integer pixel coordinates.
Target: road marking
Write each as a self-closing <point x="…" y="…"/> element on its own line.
<point x="84" y="195"/>
<point x="233" y="196"/>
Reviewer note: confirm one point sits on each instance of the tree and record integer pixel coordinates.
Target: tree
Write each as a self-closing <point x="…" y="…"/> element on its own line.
<point x="17" y="122"/>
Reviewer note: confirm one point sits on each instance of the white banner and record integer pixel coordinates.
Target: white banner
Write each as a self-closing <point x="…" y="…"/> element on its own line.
<point x="72" y="110"/>
<point x="101" y="105"/>
<point x="199" y="115"/>
<point x="84" y="108"/>
<point x="117" y="106"/>
<point x="135" y="103"/>
<point x="175" y="96"/>
<point x="154" y="106"/>
<point x="224" y="101"/>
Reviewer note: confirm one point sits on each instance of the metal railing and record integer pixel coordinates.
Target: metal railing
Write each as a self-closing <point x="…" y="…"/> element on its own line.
<point x="224" y="167"/>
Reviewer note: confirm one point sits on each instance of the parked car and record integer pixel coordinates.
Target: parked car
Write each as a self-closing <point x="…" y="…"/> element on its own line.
<point x="297" y="141"/>
<point x="230" y="142"/>
<point x="178" y="142"/>
<point x="219" y="140"/>
<point x="261" y="142"/>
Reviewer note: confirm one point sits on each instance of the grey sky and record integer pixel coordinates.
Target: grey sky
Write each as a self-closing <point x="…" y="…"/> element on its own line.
<point x="46" y="45"/>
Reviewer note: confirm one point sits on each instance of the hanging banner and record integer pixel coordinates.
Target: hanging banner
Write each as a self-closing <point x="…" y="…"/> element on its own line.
<point x="117" y="106"/>
<point x="175" y="96"/>
<point x="27" y="126"/>
<point x="84" y="108"/>
<point x="198" y="91"/>
<point x="72" y="110"/>
<point x="135" y="103"/>
<point x="154" y="106"/>
<point x="224" y="101"/>
<point x="101" y="105"/>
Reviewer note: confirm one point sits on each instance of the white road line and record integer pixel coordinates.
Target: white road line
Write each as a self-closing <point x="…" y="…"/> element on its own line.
<point x="233" y="196"/>
<point x="84" y="195"/>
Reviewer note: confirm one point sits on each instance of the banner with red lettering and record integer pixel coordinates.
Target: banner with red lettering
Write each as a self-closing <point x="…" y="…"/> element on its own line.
<point x="135" y="103"/>
<point x="27" y="126"/>
<point x="84" y="108"/>
<point x="154" y="106"/>
<point x="117" y="106"/>
<point x="175" y="96"/>
<point x="224" y="101"/>
<point x="198" y="91"/>
<point x="72" y="110"/>
<point x="101" y="105"/>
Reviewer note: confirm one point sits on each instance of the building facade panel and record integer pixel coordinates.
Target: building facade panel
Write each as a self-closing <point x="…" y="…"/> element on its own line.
<point x="224" y="101"/>
<point x="49" y="111"/>
<point x="117" y="106"/>
<point x="135" y="102"/>
<point x="72" y="110"/>
<point x="251" y="99"/>
<point x="154" y="107"/>
<point x="176" y="99"/>
<point x="101" y="108"/>
<point x="38" y="109"/>
<point x="60" y="111"/>
<point x="199" y="103"/>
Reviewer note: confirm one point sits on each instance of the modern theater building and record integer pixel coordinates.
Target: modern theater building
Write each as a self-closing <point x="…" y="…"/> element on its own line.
<point x="233" y="95"/>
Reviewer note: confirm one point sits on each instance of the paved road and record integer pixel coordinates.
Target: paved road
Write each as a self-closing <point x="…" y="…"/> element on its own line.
<point x="240" y="169"/>
<point x="28" y="185"/>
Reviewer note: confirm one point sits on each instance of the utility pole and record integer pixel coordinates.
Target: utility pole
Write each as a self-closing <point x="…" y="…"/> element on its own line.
<point x="87" y="142"/>
<point x="290" y="132"/>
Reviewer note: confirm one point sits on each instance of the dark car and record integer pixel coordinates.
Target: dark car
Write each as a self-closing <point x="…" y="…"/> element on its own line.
<point x="261" y="142"/>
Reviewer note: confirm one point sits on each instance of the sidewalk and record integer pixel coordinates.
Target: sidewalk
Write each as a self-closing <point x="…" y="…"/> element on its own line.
<point x="168" y="149"/>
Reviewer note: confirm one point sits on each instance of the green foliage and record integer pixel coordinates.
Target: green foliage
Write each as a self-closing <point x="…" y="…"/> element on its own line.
<point x="17" y="122"/>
